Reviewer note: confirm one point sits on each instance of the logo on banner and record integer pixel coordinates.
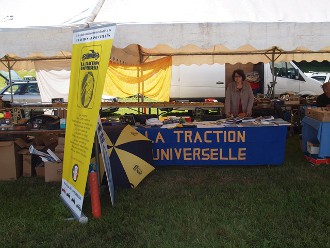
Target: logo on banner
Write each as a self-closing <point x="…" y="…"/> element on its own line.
<point x="88" y="75"/>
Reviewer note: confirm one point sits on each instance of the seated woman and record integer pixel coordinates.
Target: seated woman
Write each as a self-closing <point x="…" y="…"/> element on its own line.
<point x="239" y="96"/>
<point x="324" y="99"/>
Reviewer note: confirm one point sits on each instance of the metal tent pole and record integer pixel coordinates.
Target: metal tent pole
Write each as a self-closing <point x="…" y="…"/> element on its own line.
<point x="271" y="88"/>
<point x="9" y="67"/>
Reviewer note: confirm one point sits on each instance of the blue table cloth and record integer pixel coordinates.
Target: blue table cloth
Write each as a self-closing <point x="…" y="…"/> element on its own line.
<point x="246" y="146"/>
<point x="316" y="132"/>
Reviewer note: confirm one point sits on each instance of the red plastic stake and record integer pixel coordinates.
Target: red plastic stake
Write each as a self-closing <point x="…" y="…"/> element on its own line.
<point x="95" y="194"/>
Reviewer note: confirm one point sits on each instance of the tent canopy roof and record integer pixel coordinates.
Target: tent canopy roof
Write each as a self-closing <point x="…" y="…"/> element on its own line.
<point x="193" y="32"/>
<point x="38" y="13"/>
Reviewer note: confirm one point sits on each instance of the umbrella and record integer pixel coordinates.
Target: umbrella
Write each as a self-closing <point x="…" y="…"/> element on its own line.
<point x="130" y="155"/>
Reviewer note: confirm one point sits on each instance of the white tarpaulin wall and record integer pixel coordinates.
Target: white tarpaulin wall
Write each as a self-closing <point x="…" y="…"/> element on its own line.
<point x="53" y="78"/>
<point x="193" y="32"/>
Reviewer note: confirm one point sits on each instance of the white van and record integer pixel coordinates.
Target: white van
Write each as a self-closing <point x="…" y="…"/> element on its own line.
<point x="319" y="76"/>
<point x="196" y="83"/>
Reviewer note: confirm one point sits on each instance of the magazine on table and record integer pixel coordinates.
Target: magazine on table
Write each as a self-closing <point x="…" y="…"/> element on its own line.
<point x="281" y="122"/>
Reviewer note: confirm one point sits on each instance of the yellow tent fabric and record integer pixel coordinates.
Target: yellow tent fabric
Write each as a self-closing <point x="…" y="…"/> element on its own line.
<point x="152" y="79"/>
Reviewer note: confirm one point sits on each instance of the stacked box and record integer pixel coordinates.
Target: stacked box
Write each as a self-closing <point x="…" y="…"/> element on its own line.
<point x="53" y="171"/>
<point x="10" y="162"/>
<point x="320" y="114"/>
<point x="27" y="162"/>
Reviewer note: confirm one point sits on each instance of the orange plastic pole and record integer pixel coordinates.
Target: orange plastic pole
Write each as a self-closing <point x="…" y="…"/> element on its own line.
<point x="95" y="194"/>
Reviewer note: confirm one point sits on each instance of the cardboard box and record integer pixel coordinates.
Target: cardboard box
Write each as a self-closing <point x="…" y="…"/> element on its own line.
<point x="313" y="148"/>
<point x="27" y="165"/>
<point x="27" y="162"/>
<point x="22" y="143"/>
<point x="59" y="149"/>
<point x="53" y="172"/>
<point x="11" y="161"/>
<point x="30" y="160"/>
<point x="40" y="171"/>
<point x="320" y="114"/>
<point x="60" y="155"/>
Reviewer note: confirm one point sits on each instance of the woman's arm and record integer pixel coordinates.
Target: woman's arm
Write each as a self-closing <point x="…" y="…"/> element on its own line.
<point x="228" y="100"/>
<point x="250" y="102"/>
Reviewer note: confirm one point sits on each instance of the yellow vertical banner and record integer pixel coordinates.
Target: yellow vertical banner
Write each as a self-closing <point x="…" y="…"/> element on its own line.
<point x="91" y="50"/>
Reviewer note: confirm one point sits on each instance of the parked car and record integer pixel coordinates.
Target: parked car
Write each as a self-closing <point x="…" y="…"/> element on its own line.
<point x="23" y="92"/>
<point x="320" y="76"/>
<point x="28" y="92"/>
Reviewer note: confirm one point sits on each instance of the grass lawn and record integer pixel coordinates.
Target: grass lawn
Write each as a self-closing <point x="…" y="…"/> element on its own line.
<point x="21" y="73"/>
<point x="280" y="206"/>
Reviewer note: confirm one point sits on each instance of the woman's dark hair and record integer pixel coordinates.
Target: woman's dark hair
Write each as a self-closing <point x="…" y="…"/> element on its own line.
<point x="239" y="72"/>
<point x="325" y="85"/>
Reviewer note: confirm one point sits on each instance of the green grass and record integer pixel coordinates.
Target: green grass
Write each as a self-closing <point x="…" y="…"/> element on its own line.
<point x="280" y="206"/>
<point x="21" y="73"/>
<point x="2" y="84"/>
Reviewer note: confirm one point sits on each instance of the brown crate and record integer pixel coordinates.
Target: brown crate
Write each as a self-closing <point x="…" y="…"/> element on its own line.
<point x="292" y="100"/>
<point x="11" y="161"/>
<point x="320" y="114"/>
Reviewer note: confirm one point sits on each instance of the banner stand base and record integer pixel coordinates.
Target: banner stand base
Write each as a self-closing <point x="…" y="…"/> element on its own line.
<point x="83" y="219"/>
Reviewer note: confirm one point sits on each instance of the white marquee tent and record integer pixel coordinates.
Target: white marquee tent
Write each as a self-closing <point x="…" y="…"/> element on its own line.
<point x="191" y="31"/>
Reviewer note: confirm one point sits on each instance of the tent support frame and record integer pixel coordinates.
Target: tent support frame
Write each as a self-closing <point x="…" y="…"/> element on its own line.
<point x="271" y="87"/>
<point x="275" y="50"/>
<point x="272" y="54"/>
<point x="9" y="67"/>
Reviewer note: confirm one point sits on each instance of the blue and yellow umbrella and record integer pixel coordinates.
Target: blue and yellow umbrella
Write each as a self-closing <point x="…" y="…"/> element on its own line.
<point x="130" y="155"/>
